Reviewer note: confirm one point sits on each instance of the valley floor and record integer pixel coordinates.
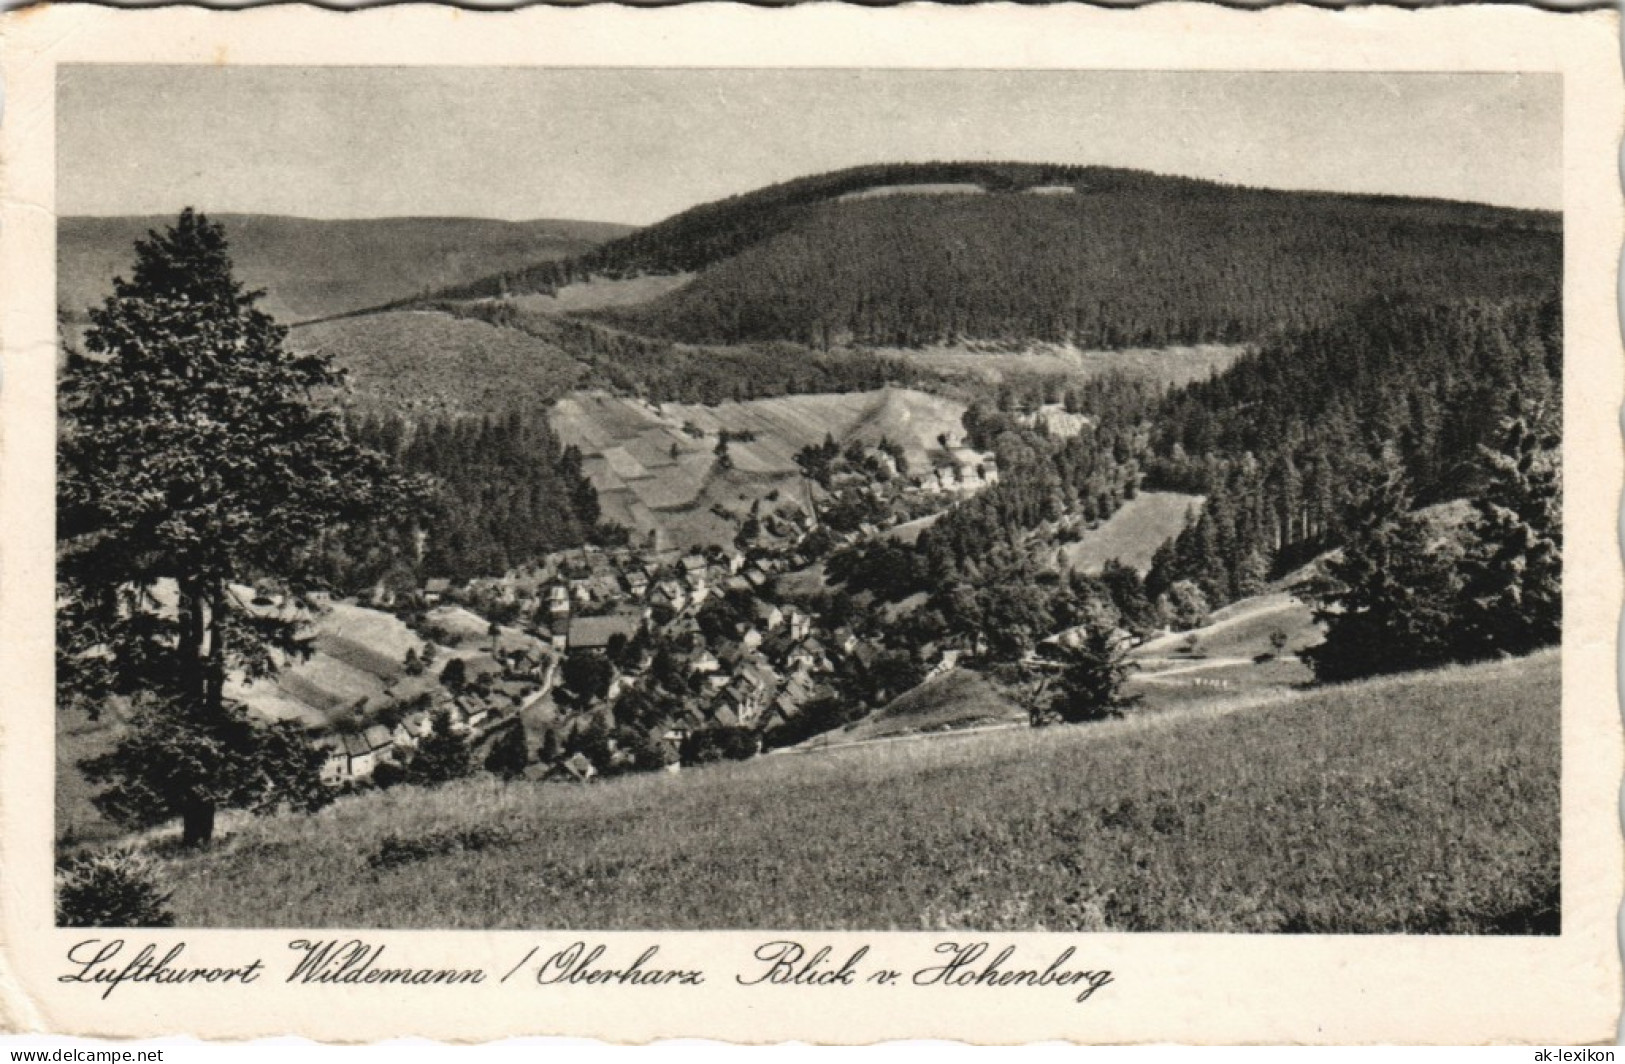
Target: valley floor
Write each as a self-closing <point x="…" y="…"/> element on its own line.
<point x="1425" y="803"/>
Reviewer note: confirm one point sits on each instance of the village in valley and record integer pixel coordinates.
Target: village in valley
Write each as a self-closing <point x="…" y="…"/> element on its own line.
<point x="611" y="659"/>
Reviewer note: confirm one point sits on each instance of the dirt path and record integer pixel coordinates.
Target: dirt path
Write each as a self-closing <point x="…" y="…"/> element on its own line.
<point x="1183" y="667"/>
<point x="1279" y="602"/>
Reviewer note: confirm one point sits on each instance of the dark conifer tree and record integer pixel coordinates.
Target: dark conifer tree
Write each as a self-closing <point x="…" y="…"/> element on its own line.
<point x="195" y="458"/>
<point x="1392" y="606"/>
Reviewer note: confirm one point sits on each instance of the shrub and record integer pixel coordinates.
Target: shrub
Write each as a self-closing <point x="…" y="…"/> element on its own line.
<point x="649" y="752"/>
<point x="114" y="889"/>
<point x="721" y="743"/>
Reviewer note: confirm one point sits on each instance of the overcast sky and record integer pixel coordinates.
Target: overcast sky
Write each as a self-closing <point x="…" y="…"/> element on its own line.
<point x="637" y="145"/>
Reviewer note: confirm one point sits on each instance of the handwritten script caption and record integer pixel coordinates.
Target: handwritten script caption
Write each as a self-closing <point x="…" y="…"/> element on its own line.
<point x="108" y="964"/>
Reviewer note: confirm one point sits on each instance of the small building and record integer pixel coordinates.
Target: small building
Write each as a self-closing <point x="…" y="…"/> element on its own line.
<point x="800" y="624"/>
<point x="473" y="711"/>
<point x="412" y="728"/>
<point x="336" y="765"/>
<point x="768" y="616"/>
<point x="595" y="633"/>
<point x="577" y="768"/>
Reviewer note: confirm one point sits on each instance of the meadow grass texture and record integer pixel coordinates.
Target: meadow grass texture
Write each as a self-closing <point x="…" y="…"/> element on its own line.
<point x="1426" y="803"/>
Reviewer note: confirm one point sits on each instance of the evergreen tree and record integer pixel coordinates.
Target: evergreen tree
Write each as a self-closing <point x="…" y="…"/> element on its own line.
<point x="1392" y="604"/>
<point x="1090" y="687"/>
<point x="442" y="755"/>
<point x="454" y="677"/>
<point x="194" y="458"/>
<point x="1512" y="601"/>
<point x="508" y="755"/>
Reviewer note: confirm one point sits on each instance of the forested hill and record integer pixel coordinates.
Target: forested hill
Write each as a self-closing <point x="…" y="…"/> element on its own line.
<point x="914" y="254"/>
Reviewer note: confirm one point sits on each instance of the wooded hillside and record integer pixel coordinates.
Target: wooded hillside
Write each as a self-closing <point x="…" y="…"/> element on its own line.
<point x="1102" y="258"/>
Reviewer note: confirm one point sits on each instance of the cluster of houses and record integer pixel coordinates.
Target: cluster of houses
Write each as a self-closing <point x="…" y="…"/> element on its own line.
<point x="592" y="600"/>
<point x="498" y="685"/>
<point x="760" y="675"/>
<point x="756" y="675"/>
<point x="965" y="472"/>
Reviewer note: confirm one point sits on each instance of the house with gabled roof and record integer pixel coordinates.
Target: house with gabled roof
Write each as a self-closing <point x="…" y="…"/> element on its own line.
<point x="472" y="711"/>
<point x="768" y="615"/>
<point x="358" y="753"/>
<point x="595" y="633"/>
<point x="412" y="728"/>
<point x="336" y="764"/>
<point x="799" y="623"/>
<point x="577" y="768"/>
<point x="669" y="593"/>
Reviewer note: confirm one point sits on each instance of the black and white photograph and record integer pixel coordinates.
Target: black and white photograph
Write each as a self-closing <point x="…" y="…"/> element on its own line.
<point x="849" y="499"/>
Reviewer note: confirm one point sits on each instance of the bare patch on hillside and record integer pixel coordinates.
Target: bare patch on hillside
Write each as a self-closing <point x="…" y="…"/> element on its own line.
<point x="943" y="188"/>
<point x="601" y="292"/>
<point x="995" y="362"/>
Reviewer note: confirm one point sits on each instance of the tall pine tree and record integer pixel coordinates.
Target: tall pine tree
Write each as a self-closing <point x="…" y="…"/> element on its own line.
<point x="1512" y="602"/>
<point x="194" y="458"/>
<point x="1392" y="607"/>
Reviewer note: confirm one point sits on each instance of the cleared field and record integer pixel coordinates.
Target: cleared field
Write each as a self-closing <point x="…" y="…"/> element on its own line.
<point x="991" y="362"/>
<point x="656" y="470"/>
<point x="1133" y="534"/>
<point x="359" y="653"/>
<point x="909" y="531"/>
<point x="1230" y="657"/>
<point x="1425" y="803"/>
<point x="426" y="362"/>
<point x="1243" y="628"/>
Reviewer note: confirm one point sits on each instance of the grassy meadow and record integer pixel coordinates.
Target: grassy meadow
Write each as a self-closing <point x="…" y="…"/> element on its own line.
<point x="1133" y="534"/>
<point x="1425" y="803"/>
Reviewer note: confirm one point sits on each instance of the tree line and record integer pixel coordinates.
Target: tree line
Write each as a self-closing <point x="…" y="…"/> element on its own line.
<point x="664" y="371"/>
<point x="507" y="491"/>
<point x="1285" y="442"/>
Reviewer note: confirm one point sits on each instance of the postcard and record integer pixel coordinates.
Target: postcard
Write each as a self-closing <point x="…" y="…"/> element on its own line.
<point x="835" y="524"/>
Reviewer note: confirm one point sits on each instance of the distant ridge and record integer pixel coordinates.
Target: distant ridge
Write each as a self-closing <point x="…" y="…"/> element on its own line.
<point x="318" y="268"/>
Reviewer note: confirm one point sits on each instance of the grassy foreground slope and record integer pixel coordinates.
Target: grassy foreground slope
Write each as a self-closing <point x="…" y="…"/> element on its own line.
<point x="1422" y="803"/>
